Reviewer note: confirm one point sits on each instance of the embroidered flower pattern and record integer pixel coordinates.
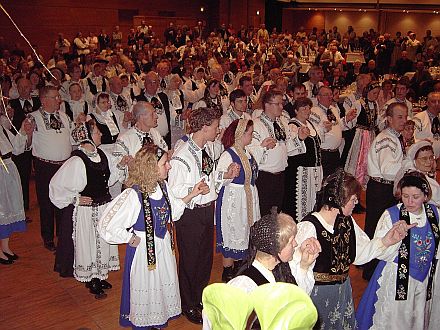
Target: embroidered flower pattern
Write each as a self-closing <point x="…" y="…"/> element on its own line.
<point x="423" y="249"/>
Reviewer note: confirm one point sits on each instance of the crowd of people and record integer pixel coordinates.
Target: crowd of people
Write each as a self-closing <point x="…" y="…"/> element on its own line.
<point x="134" y="140"/>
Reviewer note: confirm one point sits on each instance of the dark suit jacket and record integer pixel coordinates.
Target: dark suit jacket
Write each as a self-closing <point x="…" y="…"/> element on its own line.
<point x="19" y="114"/>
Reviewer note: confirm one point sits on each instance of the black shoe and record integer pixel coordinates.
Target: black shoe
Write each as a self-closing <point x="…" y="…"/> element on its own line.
<point x="50" y="246"/>
<point x="6" y="261"/>
<point x="106" y="285"/>
<point x="359" y="209"/>
<point x="12" y="257"/>
<point x="193" y="315"/>
<point x="95" y="288"/>
<point x="228" y="274"/>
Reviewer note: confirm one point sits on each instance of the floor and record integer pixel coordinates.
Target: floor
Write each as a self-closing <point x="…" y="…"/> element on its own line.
<point x="33" y="296"/>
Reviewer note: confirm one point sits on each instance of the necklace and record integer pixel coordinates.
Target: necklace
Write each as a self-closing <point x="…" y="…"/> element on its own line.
<point x="90" y="154"/>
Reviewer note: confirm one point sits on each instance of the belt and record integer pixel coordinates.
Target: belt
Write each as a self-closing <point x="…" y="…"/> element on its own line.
<point x="330" y="150"/>
<point x="6" y="156"/>
<point x="381" y="180"/>
<point x="273" y="173"/>
<point x="200" y="206"/>
<point x="326" y="278"/>
<point x="54" y="162"/>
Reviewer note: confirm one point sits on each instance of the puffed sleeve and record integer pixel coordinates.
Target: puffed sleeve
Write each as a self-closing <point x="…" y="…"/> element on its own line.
<point x="177" y="204"/>
<point x="304" y="278"/>
<point x="295" y="146"/>
<point x="180" y="180"/>
<point x="383" y="226"/>
<point x="116" y="173"/>
<point x="367" y="249"/>
<point x="222" y="167"/>
<point x="120" y="214"/>
<point x="68" y="182"/>
<point x="18" y="142"/>
<point x="259" y="152"/>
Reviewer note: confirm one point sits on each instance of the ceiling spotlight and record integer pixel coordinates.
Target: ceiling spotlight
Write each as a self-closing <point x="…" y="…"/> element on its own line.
<point x="202" y="9"/>
<point x="258" y="12"/>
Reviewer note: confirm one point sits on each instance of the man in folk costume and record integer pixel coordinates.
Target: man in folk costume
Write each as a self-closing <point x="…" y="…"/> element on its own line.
<point x="51" y="146"/>
<point x="192" y="162"/>
<point x="427" y="123"/>
<point x="160" y="102"/>
<point x="384" y="161"/>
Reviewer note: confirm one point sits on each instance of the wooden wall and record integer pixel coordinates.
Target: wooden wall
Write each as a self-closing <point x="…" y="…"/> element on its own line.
<point x="41" y="20"/>
<point x="362" y="21"/>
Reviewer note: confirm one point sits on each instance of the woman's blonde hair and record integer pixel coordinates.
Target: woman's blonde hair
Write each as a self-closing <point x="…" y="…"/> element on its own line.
<point x="143" y="171"/>
<point x="286" y="229"/>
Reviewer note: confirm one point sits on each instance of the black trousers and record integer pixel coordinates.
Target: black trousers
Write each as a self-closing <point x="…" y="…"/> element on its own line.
<point x="23" y="162"/>
<point x="65" y="252"/>
<point x="331" y="161"/>
<point x="270" y="191"/>
<point x="379" y="197"/>
<point x="44" y="172"/>
<point x="195" y="239"/>
<point x="348" y="136"/>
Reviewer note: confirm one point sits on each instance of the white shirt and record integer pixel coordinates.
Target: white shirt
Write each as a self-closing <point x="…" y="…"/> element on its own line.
<point x="11" y="143"/>
<point x="50" y="144"/>
<point x="230" y="116"/>
<point x="393" y="100"/>
<point x="385" y="155"/>
<point x="162" y="121"/>
<point x="422" y="131"/>
<point x="186" y="171"/>
<point x="271" y="160"/>
<point x="332" y="139"/>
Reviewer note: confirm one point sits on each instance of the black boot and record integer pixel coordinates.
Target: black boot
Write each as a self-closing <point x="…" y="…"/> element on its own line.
<point x="95" y="288"/>
<point x="228" y="274"/>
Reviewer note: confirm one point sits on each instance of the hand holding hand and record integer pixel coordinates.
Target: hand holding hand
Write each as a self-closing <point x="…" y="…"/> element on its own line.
<point x="269" y="143"/>
<point x="303" y="132"/>
<point x="200" y="188"/>
<point x="397" y="233"/>
<point x="233" y="171"/>
<point x="350" y="115"/>
<point x="126" y="160"/>
<point x="85" y="200"/>
<point x="327" y="125"/>
<point x="310" y="250"/>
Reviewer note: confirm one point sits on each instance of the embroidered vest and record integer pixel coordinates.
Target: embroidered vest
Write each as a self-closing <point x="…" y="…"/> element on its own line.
<point x="338" y="249"/>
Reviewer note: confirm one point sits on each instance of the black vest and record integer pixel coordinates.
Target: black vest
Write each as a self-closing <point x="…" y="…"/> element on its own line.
<point x="97" y="177"/>
<point x="255" y="275"/>
<point x="338" y="249"/>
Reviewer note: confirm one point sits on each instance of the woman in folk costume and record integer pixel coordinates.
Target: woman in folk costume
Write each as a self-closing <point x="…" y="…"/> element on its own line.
<point x="400" y="291"/>
<point x="367" y="122"/>
<point x="81" y="184"/>
<point x="12" y="216"/>
<point x="304" y="171"/>
<point x="343" y="243"/>
<point x="420" y="157"/>
<point x="237" y="206"/>
<point x="109" y="123"/>
<point x="150" y="289"/>
<point x="212" y="98"/>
